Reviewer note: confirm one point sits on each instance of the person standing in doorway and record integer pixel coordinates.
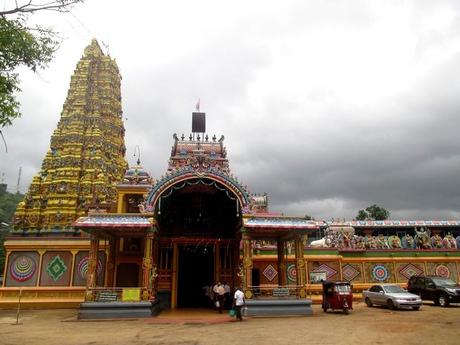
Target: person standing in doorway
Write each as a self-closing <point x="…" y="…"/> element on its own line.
<point x="238" y="303"/>
<point x="214" y="295"/>
<point x="227" y="298"/>
<point x="220" y="297"/>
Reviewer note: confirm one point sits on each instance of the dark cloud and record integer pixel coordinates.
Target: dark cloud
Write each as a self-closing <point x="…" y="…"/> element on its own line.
<point x="328" y="107"/>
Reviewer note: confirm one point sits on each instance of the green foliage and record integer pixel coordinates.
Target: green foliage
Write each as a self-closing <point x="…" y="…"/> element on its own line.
<point x="362" y="215"/>
<point x="20" y="46"/>
<point x="373" y="212"/>
<point x="8" y="203"/>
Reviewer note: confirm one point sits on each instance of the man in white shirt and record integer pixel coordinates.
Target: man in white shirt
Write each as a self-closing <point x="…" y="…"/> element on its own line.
<point x="238" y="303"/>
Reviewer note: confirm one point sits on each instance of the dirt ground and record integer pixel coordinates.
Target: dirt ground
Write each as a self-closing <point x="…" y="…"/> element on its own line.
<point x="430" y="325"/>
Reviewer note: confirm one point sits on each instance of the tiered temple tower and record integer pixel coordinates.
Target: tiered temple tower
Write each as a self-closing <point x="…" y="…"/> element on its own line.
<point x="86" y="155"/>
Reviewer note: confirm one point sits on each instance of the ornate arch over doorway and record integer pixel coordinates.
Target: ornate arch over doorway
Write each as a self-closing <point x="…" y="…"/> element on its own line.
<point x="189" y="175"/>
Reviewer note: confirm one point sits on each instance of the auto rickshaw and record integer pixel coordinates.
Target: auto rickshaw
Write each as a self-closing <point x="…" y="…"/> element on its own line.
<point x="337" y="296"/>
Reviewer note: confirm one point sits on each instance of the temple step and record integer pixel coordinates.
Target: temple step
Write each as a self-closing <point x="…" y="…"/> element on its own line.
<point x="278" y="307"/>
<point x="112" y="310"/>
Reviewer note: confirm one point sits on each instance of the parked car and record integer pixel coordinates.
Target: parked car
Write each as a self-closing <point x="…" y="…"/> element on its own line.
<point x="391" y="295"/>
<point x="442" y="291"/>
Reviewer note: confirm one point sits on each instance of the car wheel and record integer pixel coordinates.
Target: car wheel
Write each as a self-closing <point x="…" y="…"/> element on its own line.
<point x="416" y="308"/>
<point x="443" y="301"/>
<point x="368" y="302"/>
<point x="390" y="304"/>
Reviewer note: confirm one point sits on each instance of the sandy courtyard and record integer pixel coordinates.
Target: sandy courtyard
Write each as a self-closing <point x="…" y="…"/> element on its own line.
<point x="431" y="325"/>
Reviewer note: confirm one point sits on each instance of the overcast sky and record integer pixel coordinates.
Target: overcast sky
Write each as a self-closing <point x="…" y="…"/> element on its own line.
<point x="328" y="106"/>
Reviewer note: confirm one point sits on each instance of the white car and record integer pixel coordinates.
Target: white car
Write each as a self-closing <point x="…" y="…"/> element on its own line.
<point x="391" y="295"/>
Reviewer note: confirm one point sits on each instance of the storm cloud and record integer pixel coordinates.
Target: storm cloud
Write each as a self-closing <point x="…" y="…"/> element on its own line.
<point x="328" y="107"/>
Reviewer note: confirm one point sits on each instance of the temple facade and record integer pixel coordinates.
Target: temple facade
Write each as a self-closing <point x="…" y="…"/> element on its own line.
<point x="91" y="229"/>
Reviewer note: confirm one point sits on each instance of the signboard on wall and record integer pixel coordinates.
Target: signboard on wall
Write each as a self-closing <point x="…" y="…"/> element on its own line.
<point x="317" y="277"/>
<point x="131" y="295"/>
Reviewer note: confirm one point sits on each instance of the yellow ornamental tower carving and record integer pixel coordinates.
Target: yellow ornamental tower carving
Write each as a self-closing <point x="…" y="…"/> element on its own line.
<point x="86" y="156"/>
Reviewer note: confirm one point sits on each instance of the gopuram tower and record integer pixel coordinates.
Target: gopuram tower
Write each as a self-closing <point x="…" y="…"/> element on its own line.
<point x="86" y="155"/>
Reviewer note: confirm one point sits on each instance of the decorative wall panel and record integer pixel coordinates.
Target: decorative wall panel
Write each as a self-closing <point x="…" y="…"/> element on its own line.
<point x="406" y="270"/>
<point x="56" y="269"/>
<point x="81" y="268"/>
<point x="351" y="272"/>
<point x="331" y="268"/>
<point x="22" y="269"/>
<point x="443" y="269"/>
<point x="378" y="272"/>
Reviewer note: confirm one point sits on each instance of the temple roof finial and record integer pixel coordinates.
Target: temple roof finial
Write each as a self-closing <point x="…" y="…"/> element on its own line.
<point x="93" y="49"/>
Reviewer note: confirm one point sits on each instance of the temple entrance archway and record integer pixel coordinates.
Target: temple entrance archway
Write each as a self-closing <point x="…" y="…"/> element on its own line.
<point x="202" y="217"/>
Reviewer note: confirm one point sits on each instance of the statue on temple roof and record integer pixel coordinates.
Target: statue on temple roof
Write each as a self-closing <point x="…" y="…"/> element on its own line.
<point x="422" y="238"/>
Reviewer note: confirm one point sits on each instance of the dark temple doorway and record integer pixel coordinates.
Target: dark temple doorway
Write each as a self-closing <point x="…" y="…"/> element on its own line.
<point x="195" y="271"/>
<point x="128" y="275"/>
<point x="198" y="208"/>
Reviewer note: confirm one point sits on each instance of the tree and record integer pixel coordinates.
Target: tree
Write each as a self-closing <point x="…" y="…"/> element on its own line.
<point x="22" y="45"/>
<point x="8" y="203"/>
<point x="373" y="212"/>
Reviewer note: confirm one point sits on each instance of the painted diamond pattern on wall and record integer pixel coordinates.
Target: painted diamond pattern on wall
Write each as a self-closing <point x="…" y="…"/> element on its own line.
<point x="56" y="268"/>
<point x="410" y="270"/>
<point x="330" y="272"/>
<point x="349" y="272"/>
<point x="270" y="272"/>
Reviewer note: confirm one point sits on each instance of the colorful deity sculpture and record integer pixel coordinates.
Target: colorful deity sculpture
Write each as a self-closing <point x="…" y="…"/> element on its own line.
<point x="449" y="241"/>
<point x="436" y="241"/>
<point x="370" y="242"/>
<point x="344" y="238"/>
<point x="382" y="242"/>
<point x="394" y="242"/>
<point x="408" y="242"/>
<point x="422" y="238"/>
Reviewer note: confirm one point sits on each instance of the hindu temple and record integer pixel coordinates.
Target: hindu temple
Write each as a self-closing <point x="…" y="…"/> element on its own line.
<point x="93" y="230"/>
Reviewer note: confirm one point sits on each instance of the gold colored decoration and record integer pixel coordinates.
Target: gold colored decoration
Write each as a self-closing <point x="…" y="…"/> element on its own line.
<point x="89" y="296"/>
<point x="86" y="155"/>
<point x="302" y="293"/>
<point x="247" y="262"/>
<point x="300" y="263"/>
<point x="147" y="263"/>
<point x="248" y="294"/>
